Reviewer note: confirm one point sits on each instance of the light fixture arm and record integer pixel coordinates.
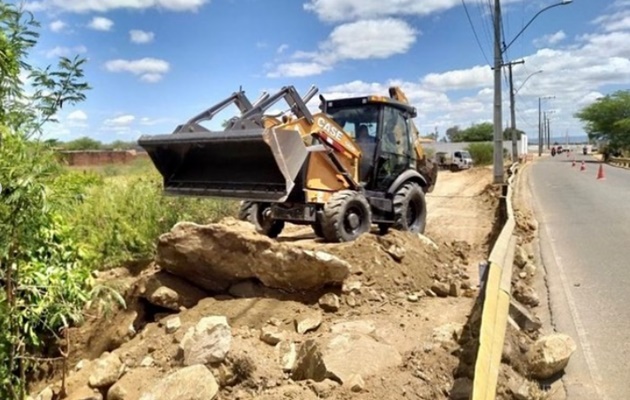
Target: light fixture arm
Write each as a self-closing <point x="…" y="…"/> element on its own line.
<point x="563" y="3"/>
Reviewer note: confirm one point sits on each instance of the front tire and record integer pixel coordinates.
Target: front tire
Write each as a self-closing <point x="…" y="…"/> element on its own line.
<point x="259" y="214"/>
<point x="347" y="216"/>
<point x="410" y="208"/>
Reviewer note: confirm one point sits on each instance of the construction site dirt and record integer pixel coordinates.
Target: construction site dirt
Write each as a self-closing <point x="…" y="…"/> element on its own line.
<point x="380" y="317"/>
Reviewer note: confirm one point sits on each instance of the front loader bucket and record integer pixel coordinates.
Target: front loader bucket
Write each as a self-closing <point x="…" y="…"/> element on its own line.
<point x="251" y="164"/>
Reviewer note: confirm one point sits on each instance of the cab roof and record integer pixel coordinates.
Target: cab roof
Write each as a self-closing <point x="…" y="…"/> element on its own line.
<point x="357" y="101"/>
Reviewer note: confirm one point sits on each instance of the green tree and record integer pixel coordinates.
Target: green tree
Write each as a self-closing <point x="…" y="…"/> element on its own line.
<point x="608" y="119"/>
<point x="453" y="133"/>
<point x="83" y="143"/>
<point x="120" y="145"/>
<point x="507" y="134"/>
<point x="45" y="284"/>
<point x="483" y="132"/>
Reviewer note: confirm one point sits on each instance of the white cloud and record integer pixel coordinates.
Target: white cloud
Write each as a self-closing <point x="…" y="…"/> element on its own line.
<point x="575" y="75"/>
<point x="101" y="24"/>
<point x="343" y="10"/>
<point x="140" y="37"/>
<point x="551" y="39"/>
<point x="108" y="5"/>
<point x="76" y="119"/>
<point x="78" y="115"/>
<point x="57" y="26"/>
<point x="120" y="121"/>
<point x="155" y="121"/>
<point x="471" y="78"/>
<point x="359" y="40"/>
<point x="149" y="69"/>
<point x="61" y="51"/>
<point x="365" y="39"/>
<point x="348" y="10"/>
<point x="282" y="48"/>
<point x="618" y="21"/>
<point x="298" y="69"/>
<point x="151" y="77"/>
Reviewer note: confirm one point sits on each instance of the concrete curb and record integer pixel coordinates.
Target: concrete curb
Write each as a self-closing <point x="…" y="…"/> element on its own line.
<point x="496" y="304"/>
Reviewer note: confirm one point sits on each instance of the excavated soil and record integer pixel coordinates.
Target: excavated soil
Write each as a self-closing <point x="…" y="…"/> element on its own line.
<point x="417" y="291"/>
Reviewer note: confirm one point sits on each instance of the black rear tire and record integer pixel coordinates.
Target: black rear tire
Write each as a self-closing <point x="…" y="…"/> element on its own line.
<point x="410" y="208"/>
<point x="317" y="229"/>
<point x="258" y="214"/>
<point x="245" y="210"/>
<point x="346" y="216"/>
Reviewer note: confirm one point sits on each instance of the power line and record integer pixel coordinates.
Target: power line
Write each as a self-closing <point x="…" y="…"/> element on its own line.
<point x="483" y="14"/>
<point x="475" y="32"/>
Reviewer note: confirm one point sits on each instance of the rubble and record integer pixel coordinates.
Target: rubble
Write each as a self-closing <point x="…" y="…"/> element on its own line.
<point x="341" y="356"/>
<point x="169" y="291"/>
<point x="307" y="323"/>
<point x="195" y="382"/>
<point x="329" y="302"/>
<point x="106" y="372"/>
<point x="550" y="355"/>
<point x="209" y="341"/>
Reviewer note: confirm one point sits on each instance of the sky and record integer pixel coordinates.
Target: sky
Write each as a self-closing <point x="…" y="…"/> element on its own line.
<point x="153" y="64"/>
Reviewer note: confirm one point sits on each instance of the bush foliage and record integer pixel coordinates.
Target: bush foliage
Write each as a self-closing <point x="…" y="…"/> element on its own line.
<point x="58" y="225"/>
<point x="481" y="153"/>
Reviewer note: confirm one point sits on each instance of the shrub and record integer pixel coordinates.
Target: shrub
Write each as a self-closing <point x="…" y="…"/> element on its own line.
<point x="481" y="153"/>
<point x="120" y="219"/>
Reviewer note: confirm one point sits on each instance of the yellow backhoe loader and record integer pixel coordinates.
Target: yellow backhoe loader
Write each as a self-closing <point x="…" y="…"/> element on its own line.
<point x="356" y="163"/>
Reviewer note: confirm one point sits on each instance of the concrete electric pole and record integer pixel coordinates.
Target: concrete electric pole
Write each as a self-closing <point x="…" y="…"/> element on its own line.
<point x="498" y="61"/>
<point x="512" y="110"/>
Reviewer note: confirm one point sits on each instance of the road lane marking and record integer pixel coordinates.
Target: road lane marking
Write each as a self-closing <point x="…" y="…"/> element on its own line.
<point x="577" y="321"/>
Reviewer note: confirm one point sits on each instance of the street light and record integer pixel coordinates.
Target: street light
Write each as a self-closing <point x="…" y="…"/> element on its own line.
<point x="540" y="138"/>
<point x="513" y="109"/>
<point x="547" y="126"/>
<point x="498" y="64"/>
<point x="526" y="79"/>
<point x="562" y="3"/>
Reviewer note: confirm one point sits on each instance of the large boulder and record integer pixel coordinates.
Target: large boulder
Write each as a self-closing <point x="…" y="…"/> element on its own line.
<point x="207" y="342"/>
<point x="550" y="355"/>
<point x="191" y="383"/>
<point x="216" y="256"/>
<point x="341" y="356"/>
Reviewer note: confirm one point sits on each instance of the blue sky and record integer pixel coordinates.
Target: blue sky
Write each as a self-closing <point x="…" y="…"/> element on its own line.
<point x="155" y="63"/>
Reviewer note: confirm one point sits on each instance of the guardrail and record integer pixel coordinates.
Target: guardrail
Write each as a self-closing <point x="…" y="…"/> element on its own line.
<point x="620" y="162"/>
<point x="496" y="304"/>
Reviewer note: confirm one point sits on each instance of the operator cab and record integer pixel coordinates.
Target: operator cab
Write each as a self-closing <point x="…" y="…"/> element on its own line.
<point x="381" y="127"/>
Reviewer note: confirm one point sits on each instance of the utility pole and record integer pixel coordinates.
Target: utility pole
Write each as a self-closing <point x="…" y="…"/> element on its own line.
<point x="548" y="134"/>
<point x="512" y="110"/>
<point x="540" y="136"/>
<point x="545" y="141"/>
<point x="498" y="124"/>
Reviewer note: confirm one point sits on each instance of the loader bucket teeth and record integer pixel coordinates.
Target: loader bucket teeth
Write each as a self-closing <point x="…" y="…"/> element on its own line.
<point x="251" y="164"/>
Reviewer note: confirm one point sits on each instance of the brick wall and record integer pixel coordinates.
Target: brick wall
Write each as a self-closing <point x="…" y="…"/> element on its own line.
<point x="99" y="157"/>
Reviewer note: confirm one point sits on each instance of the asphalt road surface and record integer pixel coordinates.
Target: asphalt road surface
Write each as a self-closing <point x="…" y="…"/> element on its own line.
<point x="585" y="245"/>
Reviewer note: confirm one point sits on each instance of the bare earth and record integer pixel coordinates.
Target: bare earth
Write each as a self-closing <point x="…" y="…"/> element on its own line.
<point x="395" y="294"/>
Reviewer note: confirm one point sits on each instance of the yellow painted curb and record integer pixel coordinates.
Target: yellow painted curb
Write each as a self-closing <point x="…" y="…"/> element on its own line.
<point x="496" y="307"/>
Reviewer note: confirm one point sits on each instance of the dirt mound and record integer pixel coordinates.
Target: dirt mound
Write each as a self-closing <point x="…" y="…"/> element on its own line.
<point x="407" y="295"/>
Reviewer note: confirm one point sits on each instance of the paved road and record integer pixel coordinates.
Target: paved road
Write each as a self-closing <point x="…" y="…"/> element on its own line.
<point x="585" y="244"/>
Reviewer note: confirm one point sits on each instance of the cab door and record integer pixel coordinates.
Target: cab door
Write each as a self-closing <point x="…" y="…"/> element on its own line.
<point x="395" y="152"/>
